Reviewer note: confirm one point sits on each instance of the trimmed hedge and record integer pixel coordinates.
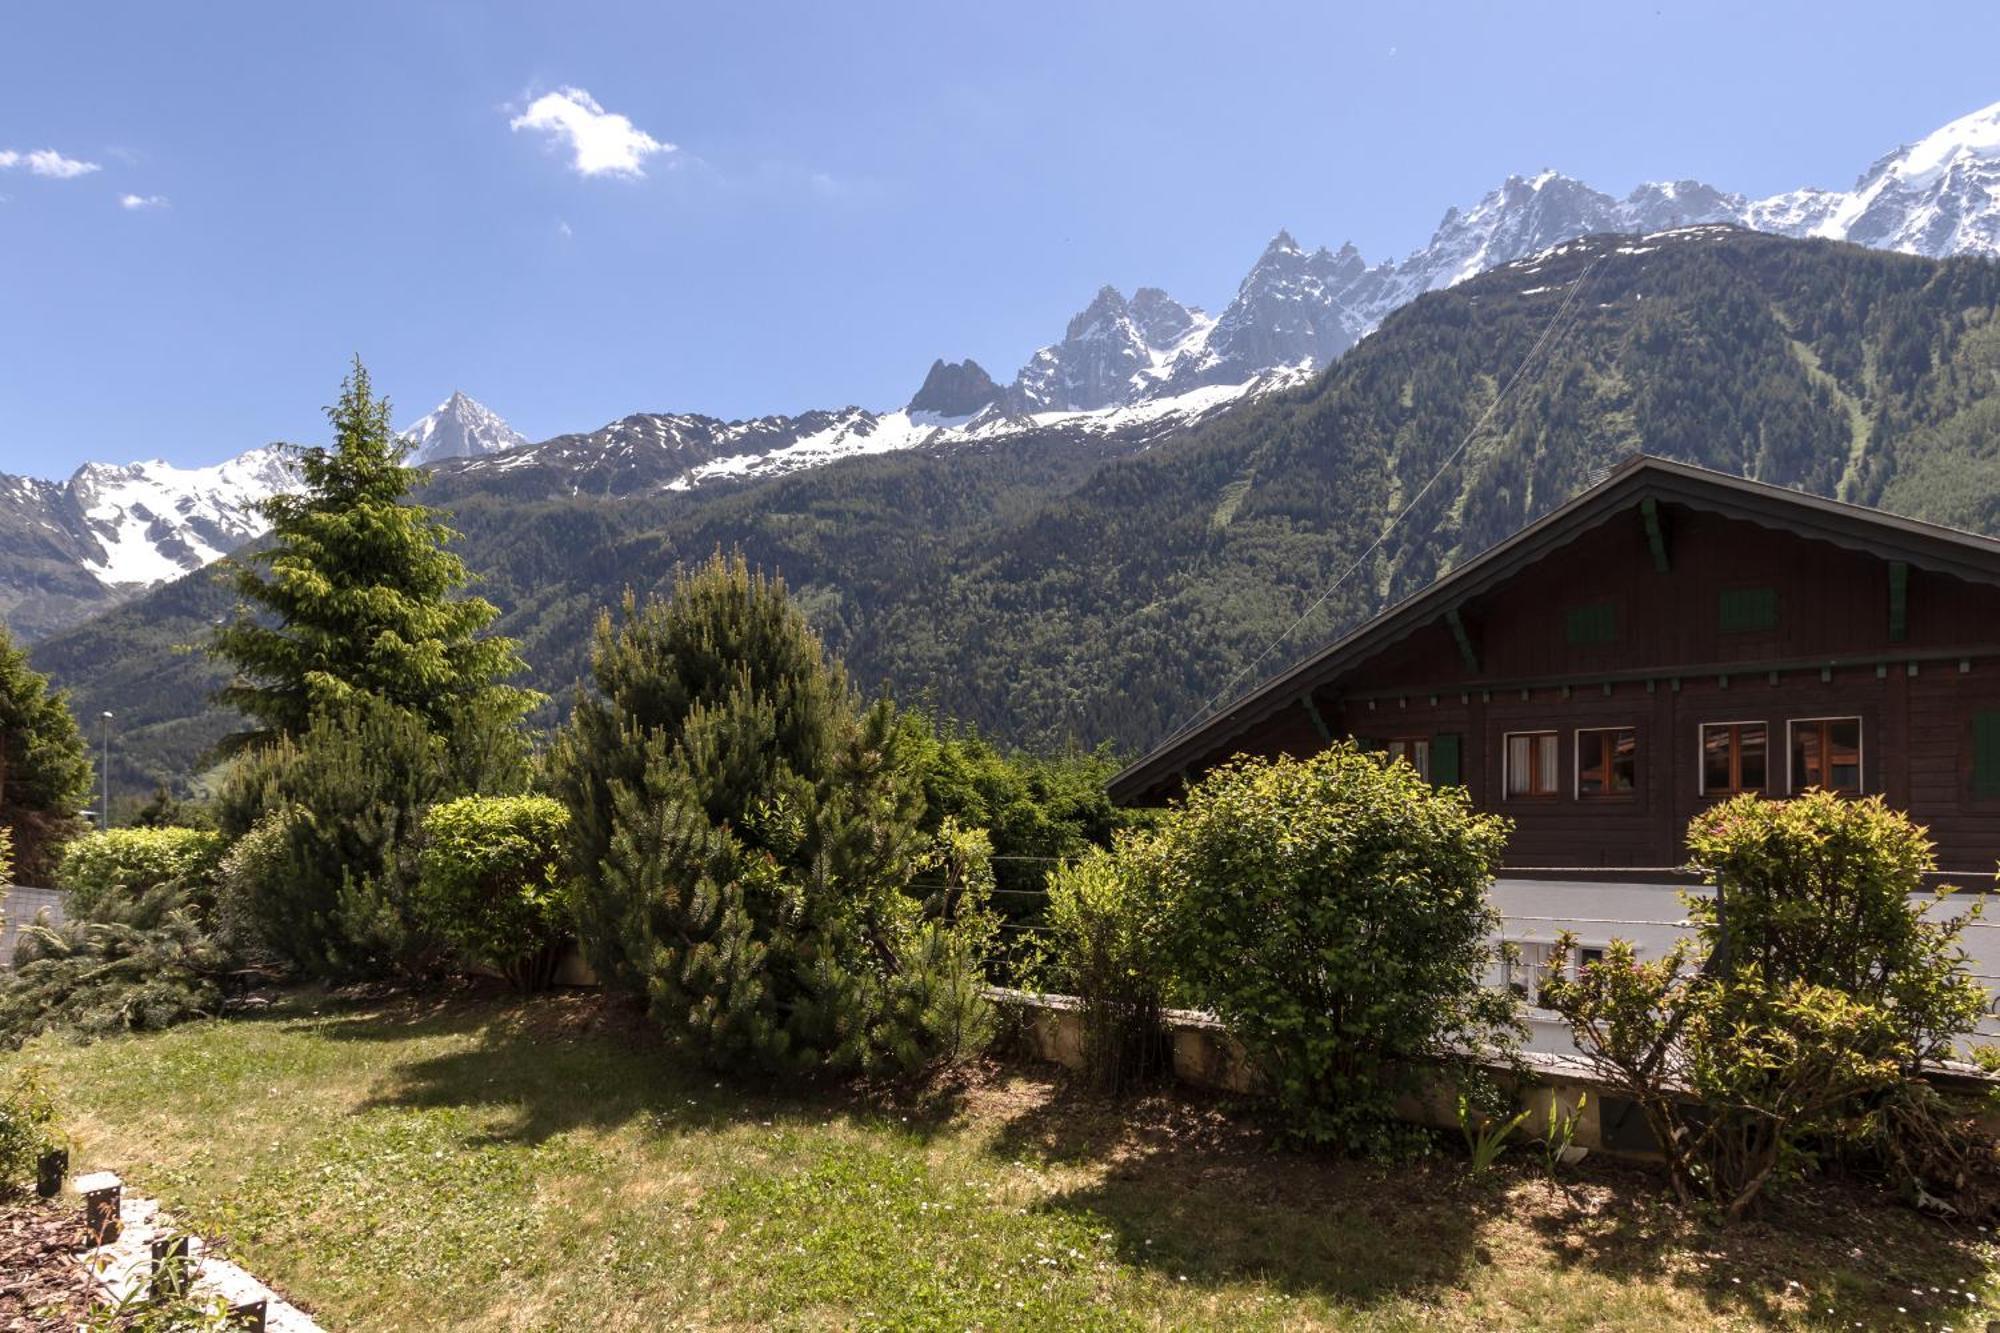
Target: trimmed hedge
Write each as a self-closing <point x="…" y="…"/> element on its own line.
<point x="491" y="883"/>
<point x="106" y="873"/>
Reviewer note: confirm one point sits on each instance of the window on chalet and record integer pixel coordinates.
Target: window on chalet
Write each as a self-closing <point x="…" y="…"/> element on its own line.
<point x="1414" y="750"/>
<point x="1826" y="752"/>
<point x="1734" y="757"/>
<point x="1607" y="762"/>
<point x="1531" y="763"/>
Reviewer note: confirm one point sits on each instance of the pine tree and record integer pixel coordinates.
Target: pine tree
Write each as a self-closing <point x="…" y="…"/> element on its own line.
<point x="45" y="768"/>
<point x="745" y="835"/>
<point x="358" y="595"/>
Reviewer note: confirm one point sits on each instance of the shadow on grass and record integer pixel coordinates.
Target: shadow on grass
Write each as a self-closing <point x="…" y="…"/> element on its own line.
<point x="552" y="1064"/>
<point x="1829" y="1244"/>
<point x="1200" y="1189"/>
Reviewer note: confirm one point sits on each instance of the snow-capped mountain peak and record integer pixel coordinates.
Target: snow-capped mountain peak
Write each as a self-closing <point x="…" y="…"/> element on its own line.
<point x="1939" y="195"/>
<point x="151" y="521"/>
<point x="460" y="427"/>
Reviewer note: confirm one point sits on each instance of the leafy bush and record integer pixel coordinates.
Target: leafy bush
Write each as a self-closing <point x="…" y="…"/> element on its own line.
<point x="1104" y="946"/>
<point x="744" y="835"/>
<point x="27" y="1130"/>
<point x="1332" y="912"/>
<point x="100" y="869"/>
<point x="1817" y="890"/>
<point x="1800" y="1015"/>
<point x="328" y="883"/>
<point x="491" y="883"/>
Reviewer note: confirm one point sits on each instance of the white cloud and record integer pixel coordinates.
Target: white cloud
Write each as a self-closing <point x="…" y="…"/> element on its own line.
<point x="563" y="229"/>
<point x="47" y="162"/>
<point x="132" y="203"/>
<point x="601" y="143"/>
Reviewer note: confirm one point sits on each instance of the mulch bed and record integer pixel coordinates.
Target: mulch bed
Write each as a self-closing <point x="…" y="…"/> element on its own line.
<point x="43" y="1285"/>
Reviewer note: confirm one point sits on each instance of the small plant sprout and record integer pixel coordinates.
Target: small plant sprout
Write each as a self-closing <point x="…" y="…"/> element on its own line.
<point x="1485" y="1136"/>
<point x="1559" y="1136"/>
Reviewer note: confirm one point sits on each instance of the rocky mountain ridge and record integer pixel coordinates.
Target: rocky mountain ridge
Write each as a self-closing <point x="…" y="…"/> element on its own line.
<point x="1126" y="368"/>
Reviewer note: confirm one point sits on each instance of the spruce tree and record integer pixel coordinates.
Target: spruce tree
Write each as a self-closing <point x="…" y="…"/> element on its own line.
<point x="45" y="770"/>
<point x="357" y="595"/>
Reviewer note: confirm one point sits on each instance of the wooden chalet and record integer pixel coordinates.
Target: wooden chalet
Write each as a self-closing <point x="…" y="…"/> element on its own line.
<point x="1668" y="637"/>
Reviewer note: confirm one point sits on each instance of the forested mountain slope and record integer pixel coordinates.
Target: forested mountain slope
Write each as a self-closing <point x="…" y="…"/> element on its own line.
<point x="1047" y="592"/>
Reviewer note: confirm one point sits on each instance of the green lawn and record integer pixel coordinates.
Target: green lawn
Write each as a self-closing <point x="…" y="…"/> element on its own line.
<point x="482" y="1163"/>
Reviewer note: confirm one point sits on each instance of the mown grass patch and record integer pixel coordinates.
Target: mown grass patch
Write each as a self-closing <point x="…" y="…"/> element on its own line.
<point x="485" y="1163"/>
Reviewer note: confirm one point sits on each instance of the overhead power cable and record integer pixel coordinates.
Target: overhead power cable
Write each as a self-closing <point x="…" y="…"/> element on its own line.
<point x="1561" y="315"/>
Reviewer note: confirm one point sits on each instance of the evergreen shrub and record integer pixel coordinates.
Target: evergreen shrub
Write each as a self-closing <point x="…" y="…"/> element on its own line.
<point x="746" y="838"/>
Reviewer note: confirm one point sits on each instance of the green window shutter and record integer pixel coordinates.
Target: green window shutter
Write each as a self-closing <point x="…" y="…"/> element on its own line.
<point x="1986" y="754"/>
<point x="1444" y="759"/>
<point x="1749" y="609"/>
<point x="1597" y="623"/>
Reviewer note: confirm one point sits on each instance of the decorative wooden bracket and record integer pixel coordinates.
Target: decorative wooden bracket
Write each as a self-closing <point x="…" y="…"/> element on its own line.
<point x="1899" y="601"/>
<point x="1656" y="534"/>
<point x="1312" y="711"/>
<point x="1465" y="649"/>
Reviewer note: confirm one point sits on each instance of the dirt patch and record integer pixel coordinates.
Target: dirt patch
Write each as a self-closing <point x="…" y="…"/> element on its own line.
<point x="42" y="1283"/>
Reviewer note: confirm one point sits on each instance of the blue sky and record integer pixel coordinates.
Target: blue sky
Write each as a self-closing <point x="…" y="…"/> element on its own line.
<point x="851" y="189"/>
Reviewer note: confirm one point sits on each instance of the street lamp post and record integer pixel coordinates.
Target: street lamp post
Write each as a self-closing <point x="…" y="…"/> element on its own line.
<point x="104" y="818"/>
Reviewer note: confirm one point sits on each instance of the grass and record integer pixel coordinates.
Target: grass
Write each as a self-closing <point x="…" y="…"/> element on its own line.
<point x="483" y="1163"/>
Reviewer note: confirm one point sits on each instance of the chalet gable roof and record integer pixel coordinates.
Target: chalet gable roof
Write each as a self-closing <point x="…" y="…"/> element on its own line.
<point x="1642" y="477"/>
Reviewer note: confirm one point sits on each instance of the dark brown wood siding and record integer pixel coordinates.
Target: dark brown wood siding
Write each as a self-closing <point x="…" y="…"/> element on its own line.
<point x="1748" y="623"/>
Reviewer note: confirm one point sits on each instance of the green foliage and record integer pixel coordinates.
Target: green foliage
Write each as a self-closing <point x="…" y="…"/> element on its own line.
<point x="1817" y="890"/>
<point x="145" y="966"/>
<point x="1485" y="1135"/>
<point x="744" y="836"/>
<point x="938" y="1012"/>
<point x="1332" y="912"/>
<point x="163" y="809"/>
<point x="361" y="596"/>
<point x="1038" y="809"/>
<point x="1813" y="989"/>
<point x="42" y="756"/>
<point x="28" y="1129"/>
<point x="138" y="948"/>
<point x="1105" y="946"/>
<point x="100" y="869"/>
<point x="491" y="883"/>
<point x="323" y="875"/>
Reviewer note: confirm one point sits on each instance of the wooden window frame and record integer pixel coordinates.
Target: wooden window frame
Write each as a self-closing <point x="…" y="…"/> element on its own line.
<point x="1576" y="771"/>
<point x="1735" y="757"/>
<point x="1554" y="790"/>
<point x="1860" y="751"/>
<point x="1424" y="769"/>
